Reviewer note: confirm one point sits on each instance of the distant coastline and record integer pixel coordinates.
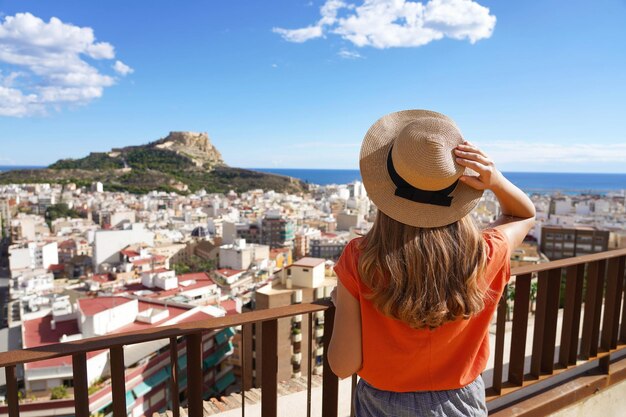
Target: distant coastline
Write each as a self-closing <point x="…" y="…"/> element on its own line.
<point x="540" y="182"/>
<point x="4" y="168"/>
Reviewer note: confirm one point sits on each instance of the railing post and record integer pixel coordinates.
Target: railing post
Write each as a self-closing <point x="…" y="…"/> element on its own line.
<point x="81" y="389"/>
<point x="520" y="328"/>
<point x="593" y="290"/>
<point x="552" y="314"/>
<point x="595" y="334"/>
<point x="620" y="325"/>
<point x="194" y="375"/>
<point x="621" y="261"/>
<point x="540" y="323"/>
<point x="246" y="355"/>
<point x="610" y="305"/>
<point x="174" y="389"/>
<point x="499" y="348"/>
<point x="118" y="382"/>
<point x="330" y="381"/>
<point x="13" y="398"/>
<point x="269" y="363"/>
<point x="571" y="315"/>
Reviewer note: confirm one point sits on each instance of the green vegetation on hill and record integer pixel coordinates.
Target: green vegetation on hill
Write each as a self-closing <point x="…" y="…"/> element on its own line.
<point x="157" y="159"/>
<point x="141" y="169"/>
<point x="94" y="160"/>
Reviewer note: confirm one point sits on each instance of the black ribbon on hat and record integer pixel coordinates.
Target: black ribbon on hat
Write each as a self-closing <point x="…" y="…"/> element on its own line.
<point x="407" y="191"/>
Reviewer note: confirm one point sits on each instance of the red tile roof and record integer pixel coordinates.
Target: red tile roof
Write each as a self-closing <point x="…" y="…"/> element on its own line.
<point x="230" y="307"/>
<point x="198" y="276"/>
<point x="39" y="332"/>
<point x="56" y="267"/>
<point x="309" y="262"/>
<point x="92" y="306"/>
<point x="129" y="252"/>
<point x="154" y="258"/>
<point x="67" y="244"/>
<point x="102" y="278"/>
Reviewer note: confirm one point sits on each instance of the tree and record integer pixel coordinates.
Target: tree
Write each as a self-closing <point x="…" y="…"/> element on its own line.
<point x="59" y="392"/>
<point x="193" y="264"/>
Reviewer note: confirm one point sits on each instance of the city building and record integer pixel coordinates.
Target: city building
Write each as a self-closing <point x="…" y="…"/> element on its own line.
<point x="329" y="246"/>
<point x="108" y="244"/>
<point x="559" y="242"/>
<point x="33" y="255"/>
<point x="277" y="231"/>
<point x="303" y="281"/>
<point x="242" y="255"/>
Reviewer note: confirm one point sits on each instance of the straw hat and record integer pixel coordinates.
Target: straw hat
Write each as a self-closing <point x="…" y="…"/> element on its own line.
<point x="409" y="170"/>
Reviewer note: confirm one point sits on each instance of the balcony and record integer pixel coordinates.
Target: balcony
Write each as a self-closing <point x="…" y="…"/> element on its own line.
<point x="572" y="348"/>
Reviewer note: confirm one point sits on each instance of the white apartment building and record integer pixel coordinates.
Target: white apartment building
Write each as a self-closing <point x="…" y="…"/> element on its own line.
<point x="33" y="255"/>
<point x="242" y="255"/>
<point x="163" y="279"/>
<point x="109" y="243"/>
<point x="307" y="273"/>
<point x="27" y="282"/>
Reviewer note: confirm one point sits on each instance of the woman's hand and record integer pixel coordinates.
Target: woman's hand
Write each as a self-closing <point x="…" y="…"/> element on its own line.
<point x="471" y="157"/>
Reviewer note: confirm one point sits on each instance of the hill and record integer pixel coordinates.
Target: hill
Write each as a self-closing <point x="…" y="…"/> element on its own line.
<point x="180" y="162"/>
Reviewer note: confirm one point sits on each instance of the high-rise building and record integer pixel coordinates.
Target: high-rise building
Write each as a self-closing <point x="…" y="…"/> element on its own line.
<point x="559" y="242"/>
<point x="277" y="232"/>
<point x="302" y="282"/>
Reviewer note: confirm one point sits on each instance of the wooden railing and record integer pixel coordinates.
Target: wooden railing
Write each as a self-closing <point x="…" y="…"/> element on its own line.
<point x="593" y="284"/>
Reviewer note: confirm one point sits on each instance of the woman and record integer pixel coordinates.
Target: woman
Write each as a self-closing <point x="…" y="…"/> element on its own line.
<point x="417" y="293"/>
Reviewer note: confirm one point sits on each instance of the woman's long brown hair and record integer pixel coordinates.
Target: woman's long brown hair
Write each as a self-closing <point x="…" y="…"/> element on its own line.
<point x="424" y="277"/>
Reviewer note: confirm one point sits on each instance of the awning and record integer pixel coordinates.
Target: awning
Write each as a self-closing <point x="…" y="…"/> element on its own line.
<point x="141" y="389"/>
<point x="157" y="378"/>
<point x="223" y="335"/>
<point x="182" y="362"/>
<point x="130" y="400"/>
<point x="224" y="382"/>
<point x="215" y="357"/>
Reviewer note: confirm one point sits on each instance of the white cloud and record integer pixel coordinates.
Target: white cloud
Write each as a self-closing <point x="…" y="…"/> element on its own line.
<point x="52" y="62"/>
<point x="545" y="152"/>
<point x="122" y="68"/>
<point x="346" y="54"/>
<point x="398" y="23"/>
<point x="299" y="35"/>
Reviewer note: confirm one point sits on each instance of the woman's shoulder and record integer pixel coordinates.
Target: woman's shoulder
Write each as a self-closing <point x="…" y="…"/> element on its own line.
<point x="498" y="254"/>
<point x="356" y="243"/>
<point x="352" y="250"/>
<point x="496" y="240"/>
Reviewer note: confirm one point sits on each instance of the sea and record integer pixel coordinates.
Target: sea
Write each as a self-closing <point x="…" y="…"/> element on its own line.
<point x="531" y="182"/>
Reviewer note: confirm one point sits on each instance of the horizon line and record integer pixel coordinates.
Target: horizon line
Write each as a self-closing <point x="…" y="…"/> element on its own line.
<point x="357" y="169"/>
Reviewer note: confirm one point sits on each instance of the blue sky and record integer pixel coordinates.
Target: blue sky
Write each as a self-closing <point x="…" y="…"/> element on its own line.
<point x="539" y="85"/>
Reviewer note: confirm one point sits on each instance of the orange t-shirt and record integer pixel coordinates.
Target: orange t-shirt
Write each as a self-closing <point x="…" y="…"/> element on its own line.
<point x="399" y="358"/>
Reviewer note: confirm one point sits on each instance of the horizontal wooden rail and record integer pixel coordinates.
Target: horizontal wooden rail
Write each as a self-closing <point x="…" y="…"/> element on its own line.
<point x="58" y="350"/>
<point x="561" y="263"/>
